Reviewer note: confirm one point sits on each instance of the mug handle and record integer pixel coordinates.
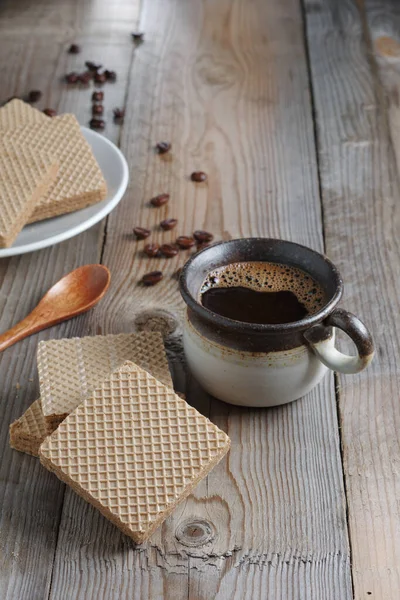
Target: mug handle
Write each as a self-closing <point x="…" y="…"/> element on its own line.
<point x="358" y="333"/>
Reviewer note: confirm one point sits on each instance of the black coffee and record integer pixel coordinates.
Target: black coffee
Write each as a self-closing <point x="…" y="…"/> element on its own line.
<point x="262" y="292"/>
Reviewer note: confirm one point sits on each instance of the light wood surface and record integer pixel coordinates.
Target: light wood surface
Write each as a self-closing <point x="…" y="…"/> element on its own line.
<point x="220" y="94"/>
<point x="34" y="39"/>
<point x="358" y="145"/>
<point x="229" y="84"/>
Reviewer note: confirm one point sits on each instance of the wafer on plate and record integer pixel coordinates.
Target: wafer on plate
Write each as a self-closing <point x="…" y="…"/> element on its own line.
<point x="134" y="450"/>
<point x="80" y="182"/>
<point x="70" y="369"/>
<point x="25" y="176"/>
<point x="16" y="114"/>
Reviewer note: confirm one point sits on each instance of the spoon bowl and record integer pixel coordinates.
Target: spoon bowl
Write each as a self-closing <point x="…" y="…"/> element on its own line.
<point x="73" y="295"/>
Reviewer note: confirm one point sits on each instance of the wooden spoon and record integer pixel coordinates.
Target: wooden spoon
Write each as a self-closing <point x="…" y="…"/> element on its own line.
<point x="73" y="295"/>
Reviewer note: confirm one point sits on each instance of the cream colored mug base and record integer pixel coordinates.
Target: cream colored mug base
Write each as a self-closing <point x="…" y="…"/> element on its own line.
<point x="253" y="379"/>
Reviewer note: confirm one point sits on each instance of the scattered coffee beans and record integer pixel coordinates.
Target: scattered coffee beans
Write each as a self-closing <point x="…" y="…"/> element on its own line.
<point x="34" y="96"/>
<point x="97" y="96"/>
<point x="152" y="278"/>
<point x="137" y="36"/>
<point x="85" y="77"/>
<point x="185" y="242"/>
<point x="163" y="147"/>
<point x="97" y="109"/>
<point x="99" y="78"/>
<point x="110" y="75"/>
<point x="202" y="236"/>
<point x="97" y="124"/>
<point x="151" y="250"/>
<point x="169" y="250"/>
<point x="168" y="224"/>
<point x="72" y="77"/>
<point x="198" y="176"/>
<point x="74" y="49"/>
<point x="159" y="200"/>
<point x="141" y="233"/>
<point x="92" y="66"/>
<point x="119" y="114"/>
<point x="50" y="112"/>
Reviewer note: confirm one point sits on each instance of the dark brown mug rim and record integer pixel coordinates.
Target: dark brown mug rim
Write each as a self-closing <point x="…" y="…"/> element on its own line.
<point x="220" y="321"/>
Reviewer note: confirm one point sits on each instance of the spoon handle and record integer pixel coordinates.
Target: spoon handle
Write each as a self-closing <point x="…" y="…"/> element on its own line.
<point x="31" y="324"/>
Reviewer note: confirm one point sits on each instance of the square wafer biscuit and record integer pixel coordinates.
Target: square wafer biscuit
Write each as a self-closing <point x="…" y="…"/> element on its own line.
<point x="17" y="113"/>
<point x="134" y="450"/>
<point x="25" y="176"/>
<point x="30" y="430"/>
<point x="70" y="369"/>
<point x="80" y="181"/>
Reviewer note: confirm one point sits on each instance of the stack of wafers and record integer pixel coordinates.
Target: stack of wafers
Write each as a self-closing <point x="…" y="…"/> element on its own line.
<point x="47" y="168"/>
<point x="109" y="424"/>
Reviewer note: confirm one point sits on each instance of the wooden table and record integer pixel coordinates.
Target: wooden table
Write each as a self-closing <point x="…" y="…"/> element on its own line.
<point x="292" y="108"/>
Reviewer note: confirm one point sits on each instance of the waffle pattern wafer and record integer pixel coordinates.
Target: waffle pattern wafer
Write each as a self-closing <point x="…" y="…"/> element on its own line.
<point x="80" y="181"/>
<point x="30" y="430"/>
<point x="69" y="370"/>
<point x="17" y="113"/>
<point x="25" y="176"/>
<point x="134" y="450"/>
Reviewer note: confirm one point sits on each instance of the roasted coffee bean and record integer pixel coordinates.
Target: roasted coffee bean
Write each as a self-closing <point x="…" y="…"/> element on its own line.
<point x="85" y="77"/>
<point x="34" y="96"/>
<point x="198" y="176"/>
<point x="97" y="96"/>
<point x="202" y="236"/>
<point x="119" y="114"/>
<point x="168" y="224"/>
<point x="137" y="36"/>
<point x="152" y="278"/>
<point x="74" y="49"/>
<point x="185" y="242"/>
<point x="141" y="233"/>
<point x="72" y="77"/>
<point x="110" y="75"/>
<point x="159" y="200"/>
<point x="50" y="112"/>
<point x="92" y="66"/>
<point x="97" y="109"/>
<point x="151" y="250"/>
<point x="169" y="250"/>
<point x="99" y="78"/>
<point x="97" y="124"/>
<point x="202" y="246"/>
<point x="163" y="147"/>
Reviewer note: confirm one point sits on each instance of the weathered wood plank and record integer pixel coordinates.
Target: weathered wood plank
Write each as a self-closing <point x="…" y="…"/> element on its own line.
<point x="361" y="206"/>
<point x="227" y="84"/>
<point x="31" y="499"/>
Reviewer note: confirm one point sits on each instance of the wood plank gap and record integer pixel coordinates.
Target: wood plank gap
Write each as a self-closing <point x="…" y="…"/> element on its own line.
<point x="336" y="383"/>
<point x="56" y="542"/>
<point x="314" y="120"/>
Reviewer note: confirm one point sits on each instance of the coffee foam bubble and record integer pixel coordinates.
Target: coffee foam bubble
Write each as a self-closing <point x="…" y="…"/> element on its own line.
<point x="268" y="277"/>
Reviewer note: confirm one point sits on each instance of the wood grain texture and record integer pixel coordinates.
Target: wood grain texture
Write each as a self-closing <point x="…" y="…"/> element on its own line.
<point x="30" y="498"/>
<point x="360" y="182"/>
<point x="227" y="84"/>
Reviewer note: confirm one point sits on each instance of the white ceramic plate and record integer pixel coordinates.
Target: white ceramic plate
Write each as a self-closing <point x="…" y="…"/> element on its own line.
<point x="52" y="231"/>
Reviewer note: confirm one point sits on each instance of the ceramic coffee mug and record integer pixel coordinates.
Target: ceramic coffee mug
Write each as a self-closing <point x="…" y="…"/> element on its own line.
<point x="266" y="365"/>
